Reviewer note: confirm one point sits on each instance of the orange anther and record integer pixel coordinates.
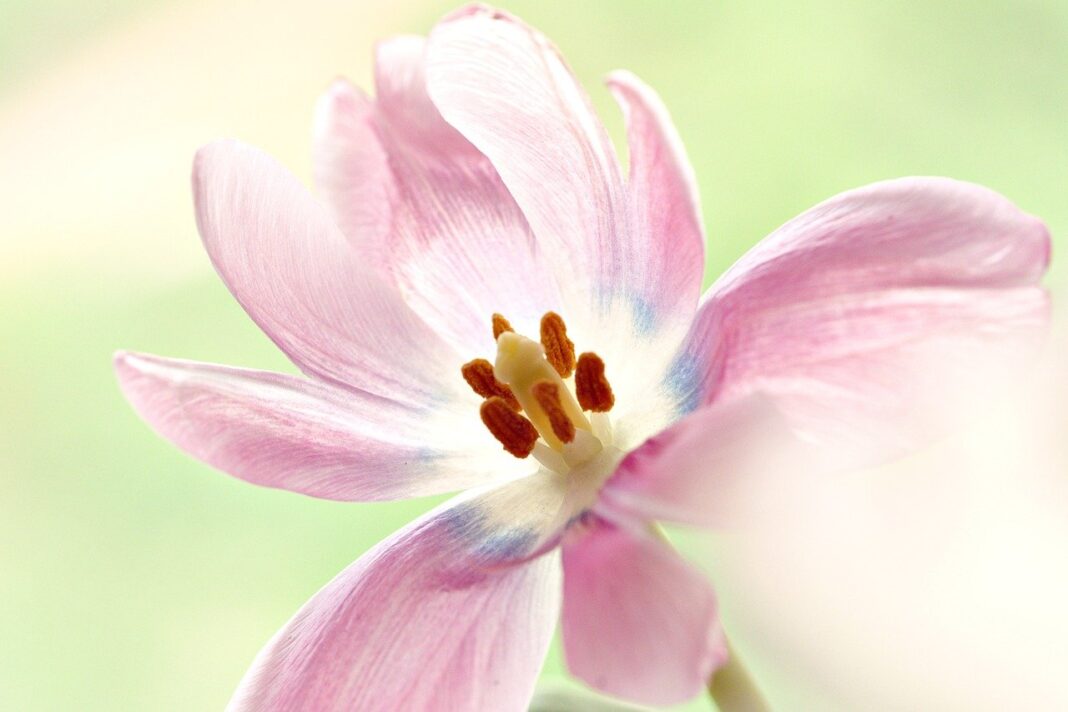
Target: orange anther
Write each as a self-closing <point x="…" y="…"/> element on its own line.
<point x="479" y="375"/>
<point x="511" y="429"/>
<point x="547" y="394"/>
<point x="500" y="325"/>
<point x="591" y="387"/>
<point x="559" y="350"/>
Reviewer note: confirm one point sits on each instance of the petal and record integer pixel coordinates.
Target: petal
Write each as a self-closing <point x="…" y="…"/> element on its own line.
<point x="663" y="193"/>
<point x="560" y="698"/>
<point x="508" y="91"/>
<point x="279" y="431"/>
<point x="457" y="245"/>
<point x="638" y="622"/>
<point x="295" y="274"/>
<point x="856" y="317"/>
<point x="352" y="170"/>
<point x="446" y="614"/>
<point x="691" y="472"/>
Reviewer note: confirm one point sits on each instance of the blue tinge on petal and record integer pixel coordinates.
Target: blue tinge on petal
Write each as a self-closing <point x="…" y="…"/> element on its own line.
<point x="684" y="382"/>
<point x="644" y="316"/>
<point x="490" y="545"/>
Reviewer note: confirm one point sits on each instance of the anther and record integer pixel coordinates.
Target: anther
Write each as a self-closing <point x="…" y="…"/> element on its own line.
<point x="547" y="394"/>
<point x="591" y="387"/>
<point x="511" y="429"/>
<point x="479" y="375"/>
<point x="559" y="350"/>
<point x="500" y="325"/>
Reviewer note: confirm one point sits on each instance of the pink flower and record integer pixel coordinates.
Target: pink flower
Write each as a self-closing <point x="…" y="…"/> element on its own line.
<point x="479" y="181"/>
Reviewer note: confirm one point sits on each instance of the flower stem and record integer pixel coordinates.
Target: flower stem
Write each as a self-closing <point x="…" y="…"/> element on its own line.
<point x="732" y="688"/>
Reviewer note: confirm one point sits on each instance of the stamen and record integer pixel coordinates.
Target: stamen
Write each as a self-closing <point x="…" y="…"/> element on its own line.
<point x="479" y="375"/>
<point x="511" y="429"/>
<point x="592" y="388"/>
<point x="500" y="325"/>
<point x="559" y="350"/>
<point x="547" y="394"/>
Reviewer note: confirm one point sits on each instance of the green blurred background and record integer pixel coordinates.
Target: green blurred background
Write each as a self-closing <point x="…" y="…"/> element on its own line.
<point x="134" y="578"/>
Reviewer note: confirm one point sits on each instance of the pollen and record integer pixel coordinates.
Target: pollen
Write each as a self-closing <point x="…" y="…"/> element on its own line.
<point x="479" y="375"/>
<point x="511" y="429"/>
<point x="559" y="350"/>
<point x="547" y="394"/>
<point x="500" y="325"/>
<point x="592" y="388"/>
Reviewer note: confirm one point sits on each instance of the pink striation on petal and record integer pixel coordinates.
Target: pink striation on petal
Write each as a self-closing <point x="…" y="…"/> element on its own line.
<point x="455" y="242"/>
<point x="860" y="316"/>
<point x="279" y="431"/>
<point x="297" y="276"/>
<point x="627" y="287"/>
<point x="352" y="170"/>
<point x="508" y="91"/>
<point x="446" y="614"/>
<point x="638" y="622"/>
<point x="663" y="193"/>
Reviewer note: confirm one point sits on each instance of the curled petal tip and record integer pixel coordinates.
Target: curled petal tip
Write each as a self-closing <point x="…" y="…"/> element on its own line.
<point x="124" y="361"/>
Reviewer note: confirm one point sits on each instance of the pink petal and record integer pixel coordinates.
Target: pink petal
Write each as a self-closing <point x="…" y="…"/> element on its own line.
<point x="295" y="274"/>
<point x="456" y="243"/>
<point x="691" y="472"/>
<point x="508" y="91"/>
<point x="638" y="622"/>
<point x="352" y="170"/>
<point x="857" y="317"/>
<point x="443" y="615"/>
<point x="504" y="87"/>
<point x="315" y="439"/>
<point x="663" y="192"/>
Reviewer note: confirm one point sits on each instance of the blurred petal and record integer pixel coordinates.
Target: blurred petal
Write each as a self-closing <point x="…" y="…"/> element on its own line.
<point x="456" y="245"/>
<point x="443" y="615"/>
<point x="295" y="274"/>
<point x="638" y="622"/>
<point x="690" y="472"/>
<point x="558" y="698"/>
<point x="663" y="192"/>
<point x="855" y="317"/>
<point x="279" y="431"/>
<point x="508" y="91"/>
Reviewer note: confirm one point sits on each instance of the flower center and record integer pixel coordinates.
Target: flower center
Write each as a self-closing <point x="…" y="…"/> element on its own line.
<point x="537" y="396"/>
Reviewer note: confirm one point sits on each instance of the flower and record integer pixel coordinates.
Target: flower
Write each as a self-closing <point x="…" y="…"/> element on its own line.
<point x="476" y="199"/>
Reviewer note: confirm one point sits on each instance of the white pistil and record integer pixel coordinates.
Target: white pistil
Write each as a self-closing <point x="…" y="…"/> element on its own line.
<point x="520" y="364"/>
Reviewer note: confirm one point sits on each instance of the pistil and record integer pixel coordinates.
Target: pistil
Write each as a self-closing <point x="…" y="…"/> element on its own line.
<point x="520" y="364"/>
<point x="527" y="398"/>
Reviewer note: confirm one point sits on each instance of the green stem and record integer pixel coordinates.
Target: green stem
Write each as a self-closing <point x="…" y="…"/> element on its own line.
<point x="732" y="687"/>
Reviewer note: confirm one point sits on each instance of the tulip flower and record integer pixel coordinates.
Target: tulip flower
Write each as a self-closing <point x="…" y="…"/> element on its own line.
<point x="484" y="302"/>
